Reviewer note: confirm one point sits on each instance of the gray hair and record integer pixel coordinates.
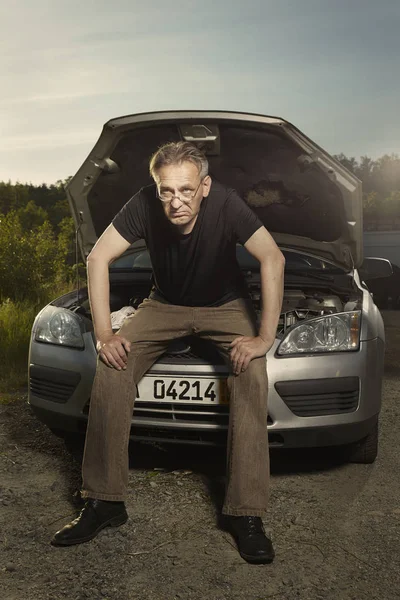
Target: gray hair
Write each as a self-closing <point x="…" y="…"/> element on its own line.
<point x="175" y="153"/>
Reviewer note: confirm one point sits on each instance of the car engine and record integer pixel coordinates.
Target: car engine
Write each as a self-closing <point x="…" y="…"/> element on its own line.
<point x="298" y="306"/>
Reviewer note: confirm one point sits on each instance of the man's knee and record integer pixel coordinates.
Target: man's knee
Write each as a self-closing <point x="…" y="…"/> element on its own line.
<point x="109" y="376"/>
<point x="255" y="377"/>
<point x="258" y="368"/>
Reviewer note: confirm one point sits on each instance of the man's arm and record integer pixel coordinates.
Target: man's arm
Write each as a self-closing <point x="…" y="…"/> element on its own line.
<point x="262" y="246"/>
<point x="109" y="246"/>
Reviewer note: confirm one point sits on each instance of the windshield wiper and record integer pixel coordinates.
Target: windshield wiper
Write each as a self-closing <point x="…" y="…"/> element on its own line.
<point x="255" y="275"/>
<point x="312" y="275"/>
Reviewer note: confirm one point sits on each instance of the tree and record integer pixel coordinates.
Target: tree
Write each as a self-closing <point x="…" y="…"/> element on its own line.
<point x="12" y="196"/>
<point x="386" y="174"/>
<point x="365" y="172"/>
<point x="31" y="216"/>
<point x="350" y="163"/>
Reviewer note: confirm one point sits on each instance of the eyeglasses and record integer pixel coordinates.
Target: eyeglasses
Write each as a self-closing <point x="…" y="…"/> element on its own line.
<point x="186" y="196"/>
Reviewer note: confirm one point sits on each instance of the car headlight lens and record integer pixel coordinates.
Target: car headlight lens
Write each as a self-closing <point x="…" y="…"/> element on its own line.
<point x="59" y="326"/>
<point x="331" y="333"/>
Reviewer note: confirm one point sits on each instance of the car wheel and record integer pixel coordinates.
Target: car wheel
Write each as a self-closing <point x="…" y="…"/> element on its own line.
<point x="364" y="451"/>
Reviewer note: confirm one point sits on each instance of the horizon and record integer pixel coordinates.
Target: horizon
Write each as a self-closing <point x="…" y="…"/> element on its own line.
<point x="62" y="179"/>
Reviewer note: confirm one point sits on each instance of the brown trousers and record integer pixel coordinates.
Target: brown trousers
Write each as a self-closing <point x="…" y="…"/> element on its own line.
<point x="106" y="462"/>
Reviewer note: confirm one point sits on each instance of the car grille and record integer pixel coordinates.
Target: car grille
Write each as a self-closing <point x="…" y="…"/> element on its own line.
<point x="320" y="397"/>
<point x="194" y="413"/>
<point x="172" y="358"/>
<point x="56" y="385"/>
<point x="217" y="414"/>
<point x="193" y="350"/>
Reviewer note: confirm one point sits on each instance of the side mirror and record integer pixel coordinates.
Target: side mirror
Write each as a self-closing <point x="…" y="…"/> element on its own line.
<point x="375" y="268"/>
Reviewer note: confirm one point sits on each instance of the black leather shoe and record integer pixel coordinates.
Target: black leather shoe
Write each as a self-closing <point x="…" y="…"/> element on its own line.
<point x="249" y="533"/>
<point x="95" y="516"/>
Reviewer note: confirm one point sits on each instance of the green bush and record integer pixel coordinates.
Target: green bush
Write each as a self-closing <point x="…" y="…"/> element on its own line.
<point x="33" y="261"/>
<point x="16" y="320"/>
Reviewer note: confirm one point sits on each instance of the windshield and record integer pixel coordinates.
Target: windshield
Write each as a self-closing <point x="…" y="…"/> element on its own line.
<point x="295" y="261"/>
<point x="140" y="261"/>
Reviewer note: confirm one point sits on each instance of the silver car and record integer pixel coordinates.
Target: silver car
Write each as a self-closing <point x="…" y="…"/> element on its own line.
<point x="325" y="368"/>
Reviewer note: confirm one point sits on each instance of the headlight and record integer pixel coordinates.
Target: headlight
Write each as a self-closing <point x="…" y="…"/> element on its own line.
<point x="59" y="326"/>
<point x="332" y="333"/>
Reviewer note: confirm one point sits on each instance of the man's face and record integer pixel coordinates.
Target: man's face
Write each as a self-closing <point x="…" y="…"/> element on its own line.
<point x="182" y="181"/>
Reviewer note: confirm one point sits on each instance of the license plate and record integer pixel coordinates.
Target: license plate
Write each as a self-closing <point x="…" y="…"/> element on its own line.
<point x="169" y="389"/>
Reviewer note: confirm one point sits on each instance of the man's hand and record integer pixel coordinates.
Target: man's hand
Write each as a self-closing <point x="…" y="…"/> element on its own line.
<point x="244" y="349"/>
<point x="113" y="350"/>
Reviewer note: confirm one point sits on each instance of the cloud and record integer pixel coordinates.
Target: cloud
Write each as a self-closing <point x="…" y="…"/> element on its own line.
<point x="44" y="141"/>
<point x="62" y="97"/>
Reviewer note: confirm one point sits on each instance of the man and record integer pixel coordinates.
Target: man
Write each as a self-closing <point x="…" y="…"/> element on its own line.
<point x="191" y="226"/>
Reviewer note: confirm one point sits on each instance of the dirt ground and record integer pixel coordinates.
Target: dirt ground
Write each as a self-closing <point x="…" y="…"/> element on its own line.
<point x="335" y="526"/>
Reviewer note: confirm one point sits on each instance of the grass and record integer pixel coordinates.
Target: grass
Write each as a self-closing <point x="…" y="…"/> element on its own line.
<point x="10" y="397"/>
<point x="16" y="320"/>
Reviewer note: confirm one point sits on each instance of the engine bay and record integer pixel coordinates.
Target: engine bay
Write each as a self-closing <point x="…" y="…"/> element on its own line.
<point x="297" y="305"/>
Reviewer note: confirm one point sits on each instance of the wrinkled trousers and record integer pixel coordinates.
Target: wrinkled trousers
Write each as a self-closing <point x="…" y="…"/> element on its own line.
<point x="105" y="464"/>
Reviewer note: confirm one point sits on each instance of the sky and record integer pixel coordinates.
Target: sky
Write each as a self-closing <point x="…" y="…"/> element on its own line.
<point x="331" y="67"/>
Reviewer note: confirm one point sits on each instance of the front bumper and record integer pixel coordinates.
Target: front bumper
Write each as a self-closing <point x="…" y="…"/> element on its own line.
<point x="60" y="391"/>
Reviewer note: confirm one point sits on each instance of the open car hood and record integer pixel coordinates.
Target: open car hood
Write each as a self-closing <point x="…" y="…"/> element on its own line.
<point x="306" y="199"/>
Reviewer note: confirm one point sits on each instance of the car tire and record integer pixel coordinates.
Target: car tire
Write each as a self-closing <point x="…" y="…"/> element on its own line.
<point x="365" y="450"/>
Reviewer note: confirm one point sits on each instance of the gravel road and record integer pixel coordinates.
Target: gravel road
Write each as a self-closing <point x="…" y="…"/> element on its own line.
<point x="335" y="526"/>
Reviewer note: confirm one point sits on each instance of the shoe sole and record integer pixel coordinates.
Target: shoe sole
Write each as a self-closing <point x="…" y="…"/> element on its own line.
<point x="257" y="560"/>
<point x="114" y="522"/>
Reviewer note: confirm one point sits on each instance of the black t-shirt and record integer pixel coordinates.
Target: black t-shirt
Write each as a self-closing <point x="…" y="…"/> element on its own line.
<point x="199" y="268"/>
